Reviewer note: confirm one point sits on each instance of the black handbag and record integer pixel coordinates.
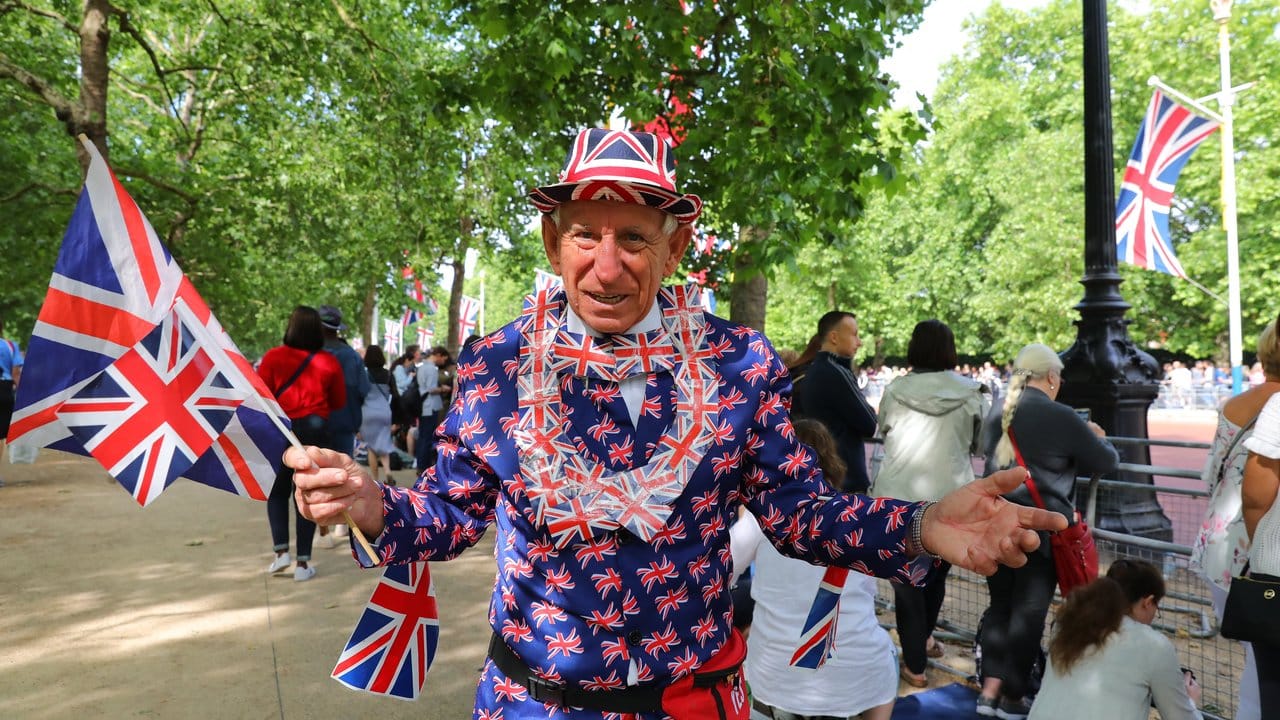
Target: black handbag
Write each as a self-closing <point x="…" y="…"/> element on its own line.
<point x="1252" y="613"/>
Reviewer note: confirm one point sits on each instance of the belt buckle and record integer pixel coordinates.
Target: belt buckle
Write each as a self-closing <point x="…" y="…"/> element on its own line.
<point x="546" y="691"/>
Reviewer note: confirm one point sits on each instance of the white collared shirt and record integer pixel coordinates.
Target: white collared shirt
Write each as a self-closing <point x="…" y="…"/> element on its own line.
<point x="632" y="388"/>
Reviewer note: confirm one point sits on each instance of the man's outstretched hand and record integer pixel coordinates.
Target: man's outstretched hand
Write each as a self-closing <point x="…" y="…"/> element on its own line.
<point x="975" y="528"/>
<point x="327" y="483"/>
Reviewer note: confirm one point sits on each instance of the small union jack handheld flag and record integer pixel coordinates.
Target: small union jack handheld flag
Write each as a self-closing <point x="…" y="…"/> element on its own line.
<point x="1166" y="139"/>
<point x="128" y="364"/>
<point x="818" y="637"/>
<point x="391" y="649"/>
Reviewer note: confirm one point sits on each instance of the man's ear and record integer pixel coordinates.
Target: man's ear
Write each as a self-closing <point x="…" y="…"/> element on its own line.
<point x="551" y="242"/>
<point x="679" y="243"/>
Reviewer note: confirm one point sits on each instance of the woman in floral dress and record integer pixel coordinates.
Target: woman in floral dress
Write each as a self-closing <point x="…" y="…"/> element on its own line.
<point x="1222" y="545"/>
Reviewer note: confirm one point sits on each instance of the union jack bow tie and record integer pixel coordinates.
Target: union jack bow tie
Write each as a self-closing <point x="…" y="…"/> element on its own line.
<point x="614" y="357"/>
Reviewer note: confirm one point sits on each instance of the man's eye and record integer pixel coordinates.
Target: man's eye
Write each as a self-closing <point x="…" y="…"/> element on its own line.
<point x="635" y="240"/>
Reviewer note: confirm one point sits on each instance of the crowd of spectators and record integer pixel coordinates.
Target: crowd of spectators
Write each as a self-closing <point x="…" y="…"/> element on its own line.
<point x="1200" y="385"/>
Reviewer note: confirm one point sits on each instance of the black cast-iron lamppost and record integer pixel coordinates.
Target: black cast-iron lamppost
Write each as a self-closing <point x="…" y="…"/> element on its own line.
<point x="1104" y="371"/>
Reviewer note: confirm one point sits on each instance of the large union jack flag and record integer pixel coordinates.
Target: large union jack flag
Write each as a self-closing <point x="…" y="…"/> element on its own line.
<point x="1168" y="136"/>
<point x="394" y="642"/>
<point x="128" y="364"/>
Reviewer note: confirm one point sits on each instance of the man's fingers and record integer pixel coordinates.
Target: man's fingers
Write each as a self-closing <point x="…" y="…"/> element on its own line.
<point x="1003" y="481"/>
<point x="1028" y="540"/>
<point x="1037" y="519"/>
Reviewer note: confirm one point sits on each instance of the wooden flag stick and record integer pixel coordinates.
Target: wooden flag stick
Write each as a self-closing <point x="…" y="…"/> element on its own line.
<point x="293" y="440"/>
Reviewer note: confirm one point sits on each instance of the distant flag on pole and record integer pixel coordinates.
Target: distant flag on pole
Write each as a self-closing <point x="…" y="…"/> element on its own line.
<point x="1166" y="139"/>
<point x="468" y="318"/>
<point x="416" y="294"/>
<point x="394" y="642"/>
<point x="543" y="280"/>
<point x="392" y="337"/>
<point x="425" y="337"/>
<point x="127" y="363"/>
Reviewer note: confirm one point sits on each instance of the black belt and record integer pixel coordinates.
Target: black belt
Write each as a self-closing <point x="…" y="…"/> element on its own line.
<point x="634" y="699"/>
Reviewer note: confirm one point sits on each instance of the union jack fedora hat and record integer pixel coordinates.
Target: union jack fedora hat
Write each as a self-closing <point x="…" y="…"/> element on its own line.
<point x="621" y="166"/>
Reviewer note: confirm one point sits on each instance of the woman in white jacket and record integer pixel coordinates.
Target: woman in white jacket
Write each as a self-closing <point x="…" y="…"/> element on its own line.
<point x="930" y="420"/>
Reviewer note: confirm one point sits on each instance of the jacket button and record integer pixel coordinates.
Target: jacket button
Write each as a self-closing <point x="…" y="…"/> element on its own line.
<point x="634" y="637"/>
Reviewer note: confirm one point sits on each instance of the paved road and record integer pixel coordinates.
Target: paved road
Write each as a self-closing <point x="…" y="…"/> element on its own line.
<point x="111" y="611"/>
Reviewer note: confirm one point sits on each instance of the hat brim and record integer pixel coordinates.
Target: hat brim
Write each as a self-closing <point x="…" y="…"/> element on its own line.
<point x="685" y="208"/>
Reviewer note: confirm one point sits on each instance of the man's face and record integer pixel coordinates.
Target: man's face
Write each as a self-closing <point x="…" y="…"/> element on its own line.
<point x="612" y="257"/>
<point x="439" y="359"/>
<point x="843" y="338"/>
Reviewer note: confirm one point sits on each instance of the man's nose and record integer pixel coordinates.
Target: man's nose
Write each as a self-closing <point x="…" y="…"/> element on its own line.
<point x="608" y="259"/>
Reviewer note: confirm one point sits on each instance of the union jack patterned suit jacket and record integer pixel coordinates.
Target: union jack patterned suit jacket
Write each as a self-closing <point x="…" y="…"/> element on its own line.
<point x="581" y="612"/>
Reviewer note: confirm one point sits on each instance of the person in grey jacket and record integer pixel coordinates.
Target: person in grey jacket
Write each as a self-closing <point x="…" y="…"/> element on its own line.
<point x="1057" y="446"/>
<point x="931" y="420"/>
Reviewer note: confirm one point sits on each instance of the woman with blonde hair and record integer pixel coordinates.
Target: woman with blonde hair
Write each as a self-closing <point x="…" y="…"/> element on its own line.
<point x="1057" y="446"/>
<point x="1222" y="545"/>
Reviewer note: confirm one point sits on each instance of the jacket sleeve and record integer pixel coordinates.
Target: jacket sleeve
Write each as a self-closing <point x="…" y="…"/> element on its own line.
<point x="1092" y="453"/>
<point x="800" y="513"/>
<point x="335" y="388"/>
<point x="452" y="503"/>
<point x="1168" y="688"/>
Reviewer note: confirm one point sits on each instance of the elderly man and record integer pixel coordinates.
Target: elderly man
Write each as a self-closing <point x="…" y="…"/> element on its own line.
<point x="611" y="433"/>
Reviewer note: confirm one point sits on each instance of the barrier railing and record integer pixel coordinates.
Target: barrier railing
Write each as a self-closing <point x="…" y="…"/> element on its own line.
<point x="1187" y="616"/>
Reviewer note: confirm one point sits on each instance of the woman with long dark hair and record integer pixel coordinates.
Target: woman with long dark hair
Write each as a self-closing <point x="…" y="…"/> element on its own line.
<point x="308" y="384"/>
<point x="1105" y="661"/>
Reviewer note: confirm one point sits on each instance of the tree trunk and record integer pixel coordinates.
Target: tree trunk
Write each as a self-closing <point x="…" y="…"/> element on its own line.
<point x="89" y="115"/>
<point x="367" y="331"/>
<point x="750" y="288"/>
<point x="465" y="225"/>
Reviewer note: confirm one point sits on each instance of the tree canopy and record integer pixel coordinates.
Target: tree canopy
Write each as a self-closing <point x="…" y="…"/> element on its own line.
<point x="307" y="156"/>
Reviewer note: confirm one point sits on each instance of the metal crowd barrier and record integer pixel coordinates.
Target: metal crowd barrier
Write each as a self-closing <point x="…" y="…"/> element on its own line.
<point x="1187" y="616"/>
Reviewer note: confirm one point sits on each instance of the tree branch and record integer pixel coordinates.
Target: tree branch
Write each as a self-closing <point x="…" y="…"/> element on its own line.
<point x="346" y="20"/>
<point x="186" y="196"/>
<point x="66" y="24"/>
<point x="126" y="25"/>
<point x="37" y="186"/>
<point x="62" y="107"/>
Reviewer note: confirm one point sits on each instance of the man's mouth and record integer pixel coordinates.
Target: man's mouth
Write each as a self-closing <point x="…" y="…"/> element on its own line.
<point x="606" y="299"/>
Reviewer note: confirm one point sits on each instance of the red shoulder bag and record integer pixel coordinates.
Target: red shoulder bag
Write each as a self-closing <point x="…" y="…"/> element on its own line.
<point x="1075" y="556"/>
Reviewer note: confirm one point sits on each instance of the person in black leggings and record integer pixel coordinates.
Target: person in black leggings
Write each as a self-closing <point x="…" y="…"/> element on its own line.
<point x="1057" y="446"/>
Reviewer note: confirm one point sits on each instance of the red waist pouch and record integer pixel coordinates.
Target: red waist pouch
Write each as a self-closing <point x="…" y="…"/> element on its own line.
<point x="715" y="690"/>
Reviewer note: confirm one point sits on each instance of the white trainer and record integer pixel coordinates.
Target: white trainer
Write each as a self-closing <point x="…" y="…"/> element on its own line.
<point x="303" y="574"/>
<point x="280" y="563"/>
